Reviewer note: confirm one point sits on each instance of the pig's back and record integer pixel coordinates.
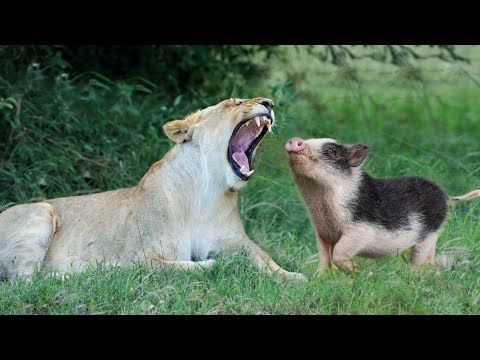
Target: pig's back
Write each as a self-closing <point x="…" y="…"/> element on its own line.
<point x="391" y="202"/>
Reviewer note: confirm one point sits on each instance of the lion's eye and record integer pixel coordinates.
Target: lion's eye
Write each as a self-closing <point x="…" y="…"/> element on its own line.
<point x="331" y="151"/>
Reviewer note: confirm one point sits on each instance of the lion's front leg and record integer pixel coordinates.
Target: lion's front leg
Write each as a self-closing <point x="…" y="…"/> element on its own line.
<point x="263" y="261"/>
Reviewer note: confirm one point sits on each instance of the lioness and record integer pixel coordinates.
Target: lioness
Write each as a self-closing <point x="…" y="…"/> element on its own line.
<point x="182" y="209"/>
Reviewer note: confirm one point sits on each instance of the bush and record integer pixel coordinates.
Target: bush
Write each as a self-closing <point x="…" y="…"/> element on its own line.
<point x="174" y="68"/>
<point x="70" y="115"/>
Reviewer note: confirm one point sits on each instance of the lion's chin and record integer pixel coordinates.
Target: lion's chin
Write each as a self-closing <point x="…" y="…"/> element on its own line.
<point x="245" y="138"/>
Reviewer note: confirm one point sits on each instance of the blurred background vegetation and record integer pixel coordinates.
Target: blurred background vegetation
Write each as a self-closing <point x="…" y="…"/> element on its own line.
<point x="83" y="119"/>
<point x="72" y="115"/>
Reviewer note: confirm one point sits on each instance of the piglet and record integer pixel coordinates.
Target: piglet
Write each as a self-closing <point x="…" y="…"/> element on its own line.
<point x="355" y="214"/>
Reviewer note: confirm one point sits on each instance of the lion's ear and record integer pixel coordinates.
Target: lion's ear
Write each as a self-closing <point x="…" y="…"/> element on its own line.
<point x="178" y="130"/>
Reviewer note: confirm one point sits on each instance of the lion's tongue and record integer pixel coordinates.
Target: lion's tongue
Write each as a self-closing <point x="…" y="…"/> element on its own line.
<point x="242" y="160"/>
<point x="242" y="141"/>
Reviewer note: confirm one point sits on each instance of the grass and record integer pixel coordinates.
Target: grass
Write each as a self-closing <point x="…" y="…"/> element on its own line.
<point x="82" y="137"/>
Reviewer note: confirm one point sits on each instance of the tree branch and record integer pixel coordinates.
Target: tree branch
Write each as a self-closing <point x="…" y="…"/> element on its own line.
<point x="451" y="50"/>
<point x="399" y="54"/>
<point x="373" y="55"/>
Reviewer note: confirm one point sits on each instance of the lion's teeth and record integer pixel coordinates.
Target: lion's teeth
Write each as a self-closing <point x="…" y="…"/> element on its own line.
<point x="269" y="126"/>
<point x="257" y="120"/>
<point x="243" y="170"/>
<point x="250" y="173"/>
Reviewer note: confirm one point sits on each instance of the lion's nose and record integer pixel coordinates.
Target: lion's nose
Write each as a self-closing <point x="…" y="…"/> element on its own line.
<point x="267" y="103"/>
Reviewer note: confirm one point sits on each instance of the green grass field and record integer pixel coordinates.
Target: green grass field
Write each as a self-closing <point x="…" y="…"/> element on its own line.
<point x="87" y="136"/>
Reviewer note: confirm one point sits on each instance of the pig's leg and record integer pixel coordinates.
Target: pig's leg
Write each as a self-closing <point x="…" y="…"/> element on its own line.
<point x="424" y="251"/>
<point x="344" y="250"/>
<point x="353" y="241"/>
<point x="325" y="249"/>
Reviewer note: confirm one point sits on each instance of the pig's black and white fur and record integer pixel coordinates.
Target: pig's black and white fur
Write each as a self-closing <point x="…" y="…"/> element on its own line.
<point x="390" y="203"/>
<point x="357" y="214"/>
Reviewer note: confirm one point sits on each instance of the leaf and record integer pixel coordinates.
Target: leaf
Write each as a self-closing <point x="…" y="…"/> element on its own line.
<point x="88" y="147"/>
<point x="97" y="83"/>
<point x="177" y="100"/>
<point x="104" y="78"/>
<point x="6" y="105"/>
<point x="146" y="81"/>
<point x="133" y="111"/>
<point x="12" y="100"/>
<point x="143" y="89"/>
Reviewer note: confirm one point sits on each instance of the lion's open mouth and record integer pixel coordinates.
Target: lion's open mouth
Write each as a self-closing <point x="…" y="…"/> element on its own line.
<point x="245" y="138"/>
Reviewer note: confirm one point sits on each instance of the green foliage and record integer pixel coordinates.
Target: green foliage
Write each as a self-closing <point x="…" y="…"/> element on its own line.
<point x="93" y="111"/>
<point x="66" y="135"/>
<point x="175" y="69"/>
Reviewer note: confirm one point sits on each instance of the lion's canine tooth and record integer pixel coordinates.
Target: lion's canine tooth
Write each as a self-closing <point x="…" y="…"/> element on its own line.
<point x="250" y="173"/>
<point x="269" y="126"/>
<point x="257" y="120"/>
<point x="243" y="170"/>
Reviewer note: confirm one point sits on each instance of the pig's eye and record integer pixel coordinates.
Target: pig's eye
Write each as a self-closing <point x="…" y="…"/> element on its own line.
<point x="330" y="151"/>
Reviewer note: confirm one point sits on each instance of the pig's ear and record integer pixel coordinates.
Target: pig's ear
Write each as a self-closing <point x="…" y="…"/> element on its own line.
<point x="356" y="154"/>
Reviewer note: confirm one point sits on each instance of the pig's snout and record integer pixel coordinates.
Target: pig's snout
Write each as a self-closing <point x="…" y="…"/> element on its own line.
<point x="295" y="145"/>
